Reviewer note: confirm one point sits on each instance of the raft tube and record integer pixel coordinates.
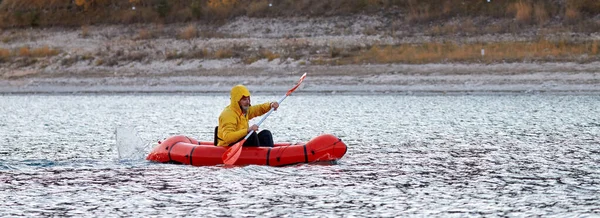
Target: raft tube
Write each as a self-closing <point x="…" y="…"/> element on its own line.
<point x="185" y="150"/>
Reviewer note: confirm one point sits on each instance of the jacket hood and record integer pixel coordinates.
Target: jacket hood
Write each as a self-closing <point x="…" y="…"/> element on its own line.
<point x="237" y="92"/>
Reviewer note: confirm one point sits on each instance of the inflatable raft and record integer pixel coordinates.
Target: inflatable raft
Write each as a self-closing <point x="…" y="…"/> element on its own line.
<point x="185" y="150"/>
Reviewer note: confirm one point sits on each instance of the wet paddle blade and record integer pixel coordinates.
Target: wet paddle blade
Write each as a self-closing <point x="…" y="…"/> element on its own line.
<point x="233" y="153"/>
<point x="289" y="92"/>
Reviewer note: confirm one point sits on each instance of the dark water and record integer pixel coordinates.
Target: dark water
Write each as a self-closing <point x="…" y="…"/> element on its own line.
<point x="446" y="156"/>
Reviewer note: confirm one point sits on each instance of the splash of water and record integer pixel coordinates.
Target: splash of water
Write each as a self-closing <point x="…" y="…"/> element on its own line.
<point x="129" y="144"/>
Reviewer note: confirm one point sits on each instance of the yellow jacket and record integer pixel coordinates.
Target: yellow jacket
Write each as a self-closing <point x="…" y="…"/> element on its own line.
<point x="233" y="124"/>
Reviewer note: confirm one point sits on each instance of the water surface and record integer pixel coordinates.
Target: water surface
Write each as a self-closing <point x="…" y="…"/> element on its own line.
<point x="486" y="155"/>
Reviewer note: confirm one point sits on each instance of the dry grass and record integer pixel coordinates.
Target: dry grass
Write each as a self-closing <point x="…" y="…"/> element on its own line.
<point x="196" y="54"/>
<point x="99" y="62"/>
<point x="269" y="55"/>
<point x="258" y="8"/>
<point x="540" y="13"/>
<point x="250" y="60"/>
<point x="221" y="9"/>
<point x="44" y="52"/>
<point x="572" y="15"/>
<point x="144" y="34"/>
<point x="173" y="54"/>
<point x="85" y="31"/>
<point x="418" y="13"/>
<point x="224" y="53"/>
<point x="494" y="52"/>
<point x="4" y="54"/>
<point x="252" y="57"/>
<point x="137" y="56"/>
<point x="189" y="32"/>
<point x="24" y="52"/>
<point x="437" y="30"/>
<point x="524" y="11"/>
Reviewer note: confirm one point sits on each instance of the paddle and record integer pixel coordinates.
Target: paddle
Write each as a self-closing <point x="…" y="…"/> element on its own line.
<point x="233" y="153"/>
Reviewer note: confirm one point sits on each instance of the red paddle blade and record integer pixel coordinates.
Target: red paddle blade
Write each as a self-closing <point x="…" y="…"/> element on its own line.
<point x="233" y="153"/>
<point x="297" y="85"/>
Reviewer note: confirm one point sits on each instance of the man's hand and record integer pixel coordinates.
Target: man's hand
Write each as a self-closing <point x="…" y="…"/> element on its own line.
<point x="253" y="127"/>
<point x="274" y="105"/>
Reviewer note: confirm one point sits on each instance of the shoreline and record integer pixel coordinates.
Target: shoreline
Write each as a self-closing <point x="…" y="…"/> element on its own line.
<point x="357" y="79"/>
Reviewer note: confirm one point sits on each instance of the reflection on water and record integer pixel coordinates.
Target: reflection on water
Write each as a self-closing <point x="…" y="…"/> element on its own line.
<point x="496" y="155"/>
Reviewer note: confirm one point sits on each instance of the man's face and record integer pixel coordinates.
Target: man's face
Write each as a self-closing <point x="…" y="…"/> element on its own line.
<point x="244" y="103"/>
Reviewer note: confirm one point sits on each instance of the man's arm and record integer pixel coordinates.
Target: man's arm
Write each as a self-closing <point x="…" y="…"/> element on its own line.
<point x="258" y="110"/>
<point x="228" y="127"/>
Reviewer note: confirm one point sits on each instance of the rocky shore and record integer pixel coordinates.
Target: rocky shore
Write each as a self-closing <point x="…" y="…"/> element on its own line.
<point x="121" y="59"/>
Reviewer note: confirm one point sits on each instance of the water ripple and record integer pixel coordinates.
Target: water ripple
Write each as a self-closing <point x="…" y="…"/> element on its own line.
<point x="432" y="156"/>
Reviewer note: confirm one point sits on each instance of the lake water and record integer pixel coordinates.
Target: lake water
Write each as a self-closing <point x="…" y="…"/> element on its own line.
<point x="447" y="156"/>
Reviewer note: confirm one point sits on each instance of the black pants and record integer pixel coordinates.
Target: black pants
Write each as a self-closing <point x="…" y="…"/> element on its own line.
<point x="262" y="139"/>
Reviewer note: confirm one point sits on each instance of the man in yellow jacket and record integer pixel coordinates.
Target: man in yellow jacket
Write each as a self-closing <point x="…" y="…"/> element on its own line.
<point x="233" y="121"/>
